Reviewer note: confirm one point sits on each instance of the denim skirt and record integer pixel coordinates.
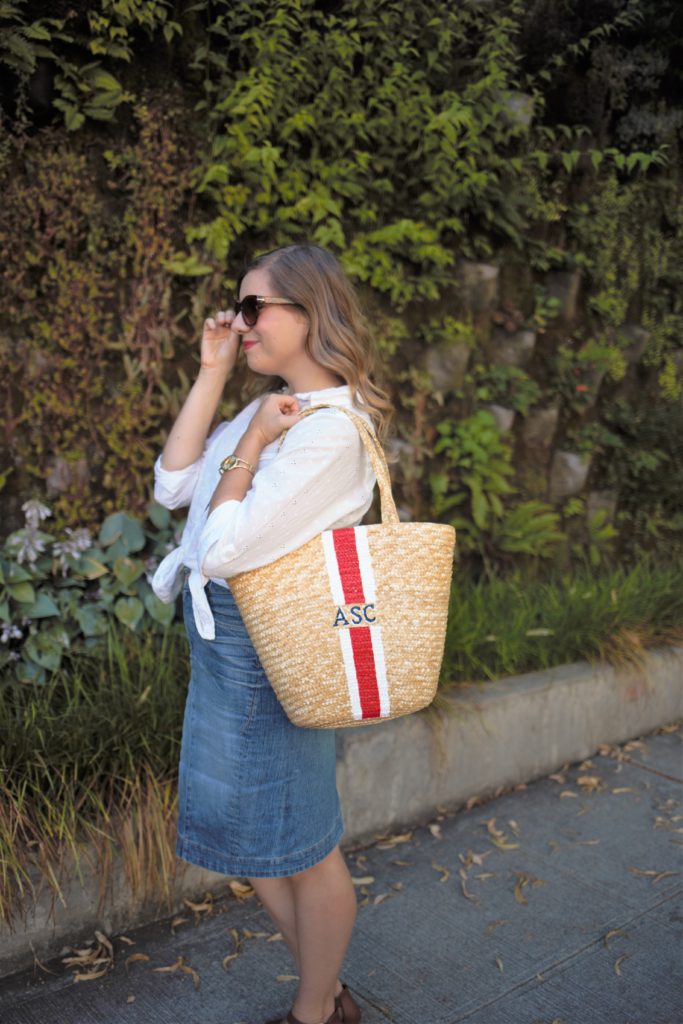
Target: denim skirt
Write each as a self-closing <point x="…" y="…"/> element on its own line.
<point x="257" y="795"/>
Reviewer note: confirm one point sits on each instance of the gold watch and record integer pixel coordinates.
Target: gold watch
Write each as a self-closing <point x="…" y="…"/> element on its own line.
<point x="234" y="462"/>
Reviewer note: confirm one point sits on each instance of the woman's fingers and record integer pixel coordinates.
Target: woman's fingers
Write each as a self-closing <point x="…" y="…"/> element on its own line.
<point x="223" y="318"/>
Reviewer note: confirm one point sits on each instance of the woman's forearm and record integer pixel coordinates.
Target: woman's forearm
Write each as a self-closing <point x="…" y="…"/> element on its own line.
<point x="185" y="442"/>
<point x="234" y="485"/>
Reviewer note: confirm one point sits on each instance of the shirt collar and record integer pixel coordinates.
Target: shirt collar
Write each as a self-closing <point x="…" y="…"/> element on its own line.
<point x="326" y="396"/>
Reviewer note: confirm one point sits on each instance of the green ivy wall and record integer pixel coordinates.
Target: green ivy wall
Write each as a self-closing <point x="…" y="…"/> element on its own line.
<point x="500" y="180"/>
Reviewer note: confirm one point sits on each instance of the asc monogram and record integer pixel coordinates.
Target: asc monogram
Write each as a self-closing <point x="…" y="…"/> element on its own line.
<point x="357" y="615"/>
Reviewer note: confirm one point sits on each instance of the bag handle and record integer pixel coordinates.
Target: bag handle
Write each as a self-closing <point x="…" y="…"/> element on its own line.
<point x="375" y="453"/>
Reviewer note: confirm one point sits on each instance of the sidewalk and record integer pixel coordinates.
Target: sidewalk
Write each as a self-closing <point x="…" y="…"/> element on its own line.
<point x="555" y="903"/>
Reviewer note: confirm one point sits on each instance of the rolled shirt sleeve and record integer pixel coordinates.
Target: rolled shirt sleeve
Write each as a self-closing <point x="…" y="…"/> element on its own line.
<point x="174" y="488"/>
<point x="321" y="475"/>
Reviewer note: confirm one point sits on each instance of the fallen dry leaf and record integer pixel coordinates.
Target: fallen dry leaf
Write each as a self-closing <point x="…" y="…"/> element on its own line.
<point x="486" y="874"/>
<point x="177" y="921"/>
<point x="524" y="878"/>
<point x="514" y="826"/>
<point x="624" y="789"/>
<point x="588" y="842"/>
<point x="287" y="977"/>
<point x="503" y="845"/>
<point x="387" y="842"/>
<point x="90" y="975"/>
<point x="568" y="792"/>
<point x="611" y="934"/>
<point x="130" y="999"/>
<point x="655" y="875"/>
<point x="435" y="831"/>
<point x="663" y="874"/>
<point x="381" y="898"/>
<point x="590" y="783"/>
<point x="556" y="777"/>
<point x="499" y="964"/>
<point x="200" y="909"/>
<point x="492" y="830"/>
<point x="472" y="802"/>
<point x="618" y="962"/>
<point x="468" y="895"/>
<point x="275" y="937"/>
<point x="445" y="873"/>
<point x="124" y="938"/>
<point x="172" y="967"/>
<point x="471" y="858"/>
<point x="397" y="885"/>
<point x="106" y="943"/>
<point x="490" y="928"/>
<point x="195" y="975"/>
<point x="135" y="958"/>
<point x="241" y="891"/>
<point x="364" y="880"/>
<point x="237" y="942"/>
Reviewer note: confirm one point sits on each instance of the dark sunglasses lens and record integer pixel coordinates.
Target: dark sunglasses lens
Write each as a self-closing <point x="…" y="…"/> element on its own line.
<point x="249" y="310"/>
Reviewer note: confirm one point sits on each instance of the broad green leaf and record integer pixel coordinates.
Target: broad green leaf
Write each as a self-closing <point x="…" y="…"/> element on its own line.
<point x="29" y="672"/>
<point x="42" y="608"/>
<point x="22" y="592"/>
<point x="129" y="611"/>
<point x="90" y="567"/>
<point x="92" y="621"/>
<point x="160" y="612"/>
<point x="160" y="516"/>
<point x="127" y="570"/>
<point x="122" y="528"/>
<point x="45" y="651"/>
<point x="16" y="573"/>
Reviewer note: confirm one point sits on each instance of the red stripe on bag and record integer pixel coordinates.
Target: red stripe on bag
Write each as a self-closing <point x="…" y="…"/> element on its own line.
<point x="364" y="660"/>
<point x="361" y="640"/>
<point x="349" y="569"/>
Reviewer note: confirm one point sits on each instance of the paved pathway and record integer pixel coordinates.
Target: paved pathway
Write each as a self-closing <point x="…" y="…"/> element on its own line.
<point x="555" y="903"/>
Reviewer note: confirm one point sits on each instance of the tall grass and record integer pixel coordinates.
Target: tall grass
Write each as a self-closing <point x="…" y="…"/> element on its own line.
<point x="92" y="756"/>
<point x="505" y="626"/>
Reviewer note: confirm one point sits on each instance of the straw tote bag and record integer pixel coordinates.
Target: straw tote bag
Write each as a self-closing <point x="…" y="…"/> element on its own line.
<point x="350" y="627"/>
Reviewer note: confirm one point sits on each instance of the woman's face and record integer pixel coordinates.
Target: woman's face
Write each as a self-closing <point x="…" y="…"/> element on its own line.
<point x="276" y="344"/>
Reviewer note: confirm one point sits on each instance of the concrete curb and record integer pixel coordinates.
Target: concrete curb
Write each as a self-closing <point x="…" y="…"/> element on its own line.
<point x="490" y="736"/>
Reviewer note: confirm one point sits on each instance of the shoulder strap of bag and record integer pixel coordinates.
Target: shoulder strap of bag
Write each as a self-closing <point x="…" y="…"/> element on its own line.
<point x="375" y="454"/>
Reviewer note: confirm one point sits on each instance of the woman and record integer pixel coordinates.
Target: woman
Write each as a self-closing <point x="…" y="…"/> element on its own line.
<point x="257" y="795"/>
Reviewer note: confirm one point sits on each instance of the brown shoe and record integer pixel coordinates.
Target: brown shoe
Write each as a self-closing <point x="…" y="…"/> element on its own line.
<point x="350" y="1010"/>
<point x="335" y="1018"/>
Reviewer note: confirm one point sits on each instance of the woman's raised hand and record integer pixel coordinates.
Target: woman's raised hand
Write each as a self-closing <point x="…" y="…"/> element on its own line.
<point x="275" y="414"/>
<point x="220" y="344"/>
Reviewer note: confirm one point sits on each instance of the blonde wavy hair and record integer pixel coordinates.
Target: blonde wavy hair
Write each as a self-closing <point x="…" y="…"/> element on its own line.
<point x="339" y="337"/>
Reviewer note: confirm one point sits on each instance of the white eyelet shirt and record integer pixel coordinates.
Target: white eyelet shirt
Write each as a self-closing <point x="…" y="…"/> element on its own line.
<point x="320" y="479"/>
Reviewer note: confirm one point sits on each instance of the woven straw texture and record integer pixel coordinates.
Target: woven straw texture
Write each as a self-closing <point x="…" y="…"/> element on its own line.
<point x="294" y="613"/>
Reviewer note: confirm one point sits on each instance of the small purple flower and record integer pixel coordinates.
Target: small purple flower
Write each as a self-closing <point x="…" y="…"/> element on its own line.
<point x="77" y="541"/>
<point x="10" y="632"/>
<point x="30" y="545"/>
<point x="35" y="512"/>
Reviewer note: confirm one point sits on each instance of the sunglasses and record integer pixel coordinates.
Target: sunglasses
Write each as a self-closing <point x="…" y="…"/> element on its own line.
<point x="251" y="305"/>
